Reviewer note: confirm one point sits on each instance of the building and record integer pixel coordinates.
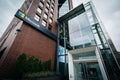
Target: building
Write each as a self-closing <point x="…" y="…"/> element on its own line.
<point x="73" y="37"/>
<point x="86" y="52"/>
<point x="23" y="37"/>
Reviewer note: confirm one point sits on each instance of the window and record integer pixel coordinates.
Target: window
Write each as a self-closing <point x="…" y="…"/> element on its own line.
<point x="49" y="1"/>
<point x="36" y="17"/>
<point x="50" y="20"/>
<point x="45" y="16"/>
<point x="52" y="4"/>
<point x="52" y="9"/>
<point x="39" y="10"/>
<point x="51" y="15"/>
<point x="48" y="5"/>
<point x="41" y="4"/>
<point x="53" y="1"/>
<point x="46" y="9"/>
<point x="44" y="23"/>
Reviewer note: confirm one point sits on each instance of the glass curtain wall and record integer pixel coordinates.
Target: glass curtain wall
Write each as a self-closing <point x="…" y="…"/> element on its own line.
<point x="64" y="8"/>
<point x="107" y="54"/>
<point x="79" y="32"/>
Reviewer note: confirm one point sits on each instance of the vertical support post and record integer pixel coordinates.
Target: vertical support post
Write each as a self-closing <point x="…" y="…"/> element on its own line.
<point x="65" y="48"/>
<point x="57" y="69"/>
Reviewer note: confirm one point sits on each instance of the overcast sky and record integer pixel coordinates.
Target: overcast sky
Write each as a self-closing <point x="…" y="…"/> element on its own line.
<point x="108" y="11"/>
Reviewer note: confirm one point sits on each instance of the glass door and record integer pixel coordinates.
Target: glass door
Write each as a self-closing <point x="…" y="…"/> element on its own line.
<point x="87" y="71"/>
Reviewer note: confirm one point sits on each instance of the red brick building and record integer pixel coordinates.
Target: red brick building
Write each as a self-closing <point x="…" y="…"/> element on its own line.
<point x="20" y="37"/>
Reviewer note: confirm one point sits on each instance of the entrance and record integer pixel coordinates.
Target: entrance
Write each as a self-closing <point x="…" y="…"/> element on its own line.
<point x="87" y="71"/>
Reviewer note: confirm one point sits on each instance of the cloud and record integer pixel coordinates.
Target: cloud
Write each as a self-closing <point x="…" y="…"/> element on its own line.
<point x="113" y="28"/>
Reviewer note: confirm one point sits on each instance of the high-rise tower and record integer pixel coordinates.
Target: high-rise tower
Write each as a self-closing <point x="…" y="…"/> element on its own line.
<point x="33" y="32"/>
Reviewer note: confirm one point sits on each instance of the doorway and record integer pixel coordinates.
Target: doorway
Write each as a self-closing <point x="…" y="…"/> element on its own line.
<point x="87" y="71"/>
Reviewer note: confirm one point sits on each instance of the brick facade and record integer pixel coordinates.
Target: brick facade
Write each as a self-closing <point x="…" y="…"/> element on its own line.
<point x="29" y="40"/>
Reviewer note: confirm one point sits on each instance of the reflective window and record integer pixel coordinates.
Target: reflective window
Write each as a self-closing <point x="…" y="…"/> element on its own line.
<point x="49" y="1"/>
<point x="52" y="9"/>
<point x="46" y="9"/>
<point x="76" y="3"/>
<point x="36" y="17"/>
<point x="39" y="10"/>
<point x="64" y="8"/>
<point x="52" y="4"/>
<point x="48" y="5"/>
<point x="45" y="16"/>
<point x="41" y="4"/>
<point x="50" y="20"/>
<point x="86" y="55"/>
<point x="80" y="32"/>
<point x="53" y="1"/>
<point x="44" y="23"/>
<point x="51" y="15"/>
<point x="62" y="54"/>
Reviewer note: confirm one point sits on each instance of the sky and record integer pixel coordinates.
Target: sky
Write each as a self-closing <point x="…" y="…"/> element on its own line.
<point x="108" y="11"/>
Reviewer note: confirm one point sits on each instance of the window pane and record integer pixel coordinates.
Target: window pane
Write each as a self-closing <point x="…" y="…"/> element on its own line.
<point x="52" y="5"/>
<point x="79" y="30"/>
<point x="36" y="17"/>
<point x="52" y="9"/>
<point x="44" y="23"/>
<point x="49" y="1"/>
<point x="46" y="9"/>
<point x="45" y="16"/>
<point x="48" y="5"/>
<point x="51" y="15"/>
<point x="53" y="1"/>
<point x="41" y="4"/>
<point x="39" y="10"/>
<point x="50" y="20"/>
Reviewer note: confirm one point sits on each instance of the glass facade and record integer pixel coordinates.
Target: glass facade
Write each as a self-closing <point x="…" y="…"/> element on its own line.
<point x="79" y="31"/>
<point x="64" y="8"/>
<point x="87" y="71"/>
<point x="82" y="30"/>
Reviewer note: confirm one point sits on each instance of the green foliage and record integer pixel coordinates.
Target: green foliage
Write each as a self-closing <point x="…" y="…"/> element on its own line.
<point x="19" y="66"/>
<point x="38" y="74"/>
<point x="46" y="66"/>
<point x="31" y="66"/>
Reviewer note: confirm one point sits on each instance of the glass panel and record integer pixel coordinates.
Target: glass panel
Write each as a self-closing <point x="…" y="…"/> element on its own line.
<point x="50" y="20"/>
<point x="46" y="9"/>
<point x="87" y="55"/>
<point x="48" y="5"/>
<point x="44" y="23"/>
<point x="41" y="4"/>
<point x="45" y="16"/>
<point x="36" y="17"/>
<point x="76" y="3"/>
<point x="79" y="30"/>
<point x="52" y="9"/>
<point x="87" y="71"/>
<point x="93" y="71"/>
<point x="51" y="15"/>
<point x="39" y="10"/>
<point x="61" y="50"/>
<point x="64" y="8"/>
